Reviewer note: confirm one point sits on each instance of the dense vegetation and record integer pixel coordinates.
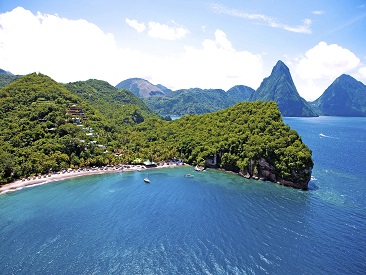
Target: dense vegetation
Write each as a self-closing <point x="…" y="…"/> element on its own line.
<point x="121" y="106"/>
<point x="198" y="101"/>
<point x="239" y="137"/>
<point x="44" y="127"/>
<point x="38" y="133"/>
<point x="344" y="97"/>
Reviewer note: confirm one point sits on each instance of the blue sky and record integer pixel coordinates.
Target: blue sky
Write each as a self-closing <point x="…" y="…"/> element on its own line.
<point x="184" y="44"/>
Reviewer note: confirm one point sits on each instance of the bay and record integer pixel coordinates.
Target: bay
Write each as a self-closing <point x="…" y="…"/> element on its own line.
<point x="214" y="222"/>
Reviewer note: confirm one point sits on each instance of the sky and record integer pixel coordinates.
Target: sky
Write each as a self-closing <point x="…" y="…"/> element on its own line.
<point x="186" y="44"/>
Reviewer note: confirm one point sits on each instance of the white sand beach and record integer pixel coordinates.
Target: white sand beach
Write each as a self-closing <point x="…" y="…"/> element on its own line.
<point x="73" y="173"/>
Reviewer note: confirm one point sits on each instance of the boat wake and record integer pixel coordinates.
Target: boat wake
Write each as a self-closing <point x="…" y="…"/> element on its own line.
<point x="325" y="136"/>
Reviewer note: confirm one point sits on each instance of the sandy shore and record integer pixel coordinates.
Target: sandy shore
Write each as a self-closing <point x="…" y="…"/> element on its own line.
<point x="35" y="181"/>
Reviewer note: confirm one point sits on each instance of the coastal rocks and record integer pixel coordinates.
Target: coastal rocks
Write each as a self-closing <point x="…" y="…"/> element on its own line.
<point x="262" y="170"/>
<point x="265" y="171"/>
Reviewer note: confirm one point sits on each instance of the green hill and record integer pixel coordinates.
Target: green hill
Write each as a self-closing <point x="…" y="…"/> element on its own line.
<point x="344" y="97"/>
<point x="44" y="127"/>
<point x="280" y="88"/>
<point x="120" y="105"/>
<point x="240" y="93"/>
<point x="249" y="138"/>
<point x="198" y="101"/>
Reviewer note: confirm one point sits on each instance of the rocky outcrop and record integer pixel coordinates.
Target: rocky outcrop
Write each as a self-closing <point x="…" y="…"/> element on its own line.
<point x="265" y="171"/>
<point x="262" y="170"/>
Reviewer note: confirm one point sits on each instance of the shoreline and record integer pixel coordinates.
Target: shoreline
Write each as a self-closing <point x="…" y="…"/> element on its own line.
<point x="70" y="174"/>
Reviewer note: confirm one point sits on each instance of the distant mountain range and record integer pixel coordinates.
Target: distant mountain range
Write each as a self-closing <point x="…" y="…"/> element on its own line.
<point x="5" y="72"/>
<point x="344" y="97"/>
<point x="7" y="77"/>
<point x="278" y="87"/>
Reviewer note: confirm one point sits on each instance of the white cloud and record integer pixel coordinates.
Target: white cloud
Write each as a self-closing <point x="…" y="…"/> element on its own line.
<point x="215" y="65"/>
<point x="304" y="28"/>
<point x="320" y="66"/>
<point x="326" y="61"/>
<point x="269" y="21"/>
<point x="318" y="12"/>
<point x="139" y="27"/>
<point x="220" y="42"/>
<point x="166" y="32"/>
<point x="158" y="30"/>
<point x="70" y="50"/>
<point x="56" y="46"/>
<point x="362" y="72"/>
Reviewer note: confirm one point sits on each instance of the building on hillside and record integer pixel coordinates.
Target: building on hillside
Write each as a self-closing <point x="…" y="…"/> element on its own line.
<point x="77" y="112"/>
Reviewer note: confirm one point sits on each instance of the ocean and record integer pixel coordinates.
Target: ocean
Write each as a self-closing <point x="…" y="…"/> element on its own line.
<point x="211" y="223"/>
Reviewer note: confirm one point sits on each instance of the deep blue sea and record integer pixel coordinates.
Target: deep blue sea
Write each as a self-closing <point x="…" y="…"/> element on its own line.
<point x="212" y="223"/>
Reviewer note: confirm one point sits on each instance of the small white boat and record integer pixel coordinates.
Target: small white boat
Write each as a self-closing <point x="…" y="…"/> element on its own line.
<point x="188" y="176"/>
<point x="198" y="169"/>
<point x="146" y="180"/>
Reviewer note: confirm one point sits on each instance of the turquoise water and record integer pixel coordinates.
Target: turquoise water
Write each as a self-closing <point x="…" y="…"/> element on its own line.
<point x="213" y="223"/>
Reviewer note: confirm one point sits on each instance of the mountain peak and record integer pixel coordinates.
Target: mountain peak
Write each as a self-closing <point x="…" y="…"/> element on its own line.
<point x="280" y="68"/>
<point x="346" y="78"/>
<point x="280" y="88"/>
<point x="141" y="87"/>
<point x="346" y="96"/>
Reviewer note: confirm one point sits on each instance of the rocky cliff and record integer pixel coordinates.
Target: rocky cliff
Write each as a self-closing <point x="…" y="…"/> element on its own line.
<point x="262" y="170"/>
<point x="265" y="171"/>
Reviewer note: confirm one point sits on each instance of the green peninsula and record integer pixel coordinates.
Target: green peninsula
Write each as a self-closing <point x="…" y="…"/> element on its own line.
<point x="46" y="127"/>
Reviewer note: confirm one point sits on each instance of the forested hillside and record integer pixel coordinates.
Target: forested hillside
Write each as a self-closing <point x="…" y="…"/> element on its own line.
<point x="344" y="97"/>
<point x="198" y="101"/>
<point x="249" y="137"/>
<point x="240" y="93"/>
<point x="44" y="128"/>
<point x="121" y="106"/>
